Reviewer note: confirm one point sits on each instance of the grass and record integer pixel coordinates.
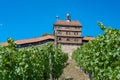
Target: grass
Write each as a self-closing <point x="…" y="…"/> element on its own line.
<point x="72" y="72"/>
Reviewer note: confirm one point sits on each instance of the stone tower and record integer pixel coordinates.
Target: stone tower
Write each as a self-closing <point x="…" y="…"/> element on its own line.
<point x="68" y="34"/>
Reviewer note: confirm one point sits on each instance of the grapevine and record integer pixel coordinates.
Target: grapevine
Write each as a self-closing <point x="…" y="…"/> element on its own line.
<point x="30" y="63"/>
<point x="101" y="57"/>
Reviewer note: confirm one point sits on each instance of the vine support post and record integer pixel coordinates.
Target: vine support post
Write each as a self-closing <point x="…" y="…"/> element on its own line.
<point x="51" y="73"/>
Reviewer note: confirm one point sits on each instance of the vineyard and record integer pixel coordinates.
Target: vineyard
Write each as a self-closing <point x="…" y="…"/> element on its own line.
<point x="32" y="63"/>
<point x="101" y="57"/>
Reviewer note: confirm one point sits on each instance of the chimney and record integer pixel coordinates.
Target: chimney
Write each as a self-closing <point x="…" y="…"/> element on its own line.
<point x="68" y="17"/>
<point x="57" y="18"/>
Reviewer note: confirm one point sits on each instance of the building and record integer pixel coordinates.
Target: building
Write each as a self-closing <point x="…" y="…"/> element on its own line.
<point x="68" y="33"/>
<point x="32" y="42"/>
<point x="86" y="39"/>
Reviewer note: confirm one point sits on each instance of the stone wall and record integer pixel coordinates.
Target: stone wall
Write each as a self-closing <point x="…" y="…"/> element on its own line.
<point x="69" y="48"/>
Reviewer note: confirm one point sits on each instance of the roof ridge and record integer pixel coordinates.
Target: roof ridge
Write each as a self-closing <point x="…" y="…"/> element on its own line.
<point x="31" y="40"/>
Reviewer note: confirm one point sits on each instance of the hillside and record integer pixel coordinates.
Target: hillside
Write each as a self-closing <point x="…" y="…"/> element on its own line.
<point x="72" y="72"/>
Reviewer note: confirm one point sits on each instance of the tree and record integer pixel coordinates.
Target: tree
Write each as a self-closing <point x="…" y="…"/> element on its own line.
<point x="45" y="34"/>
<point x="101" y="57"/>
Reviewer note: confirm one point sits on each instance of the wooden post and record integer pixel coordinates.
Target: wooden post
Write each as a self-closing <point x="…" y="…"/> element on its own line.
<point x="51" y="74"/>
<point x="55" y="38"/>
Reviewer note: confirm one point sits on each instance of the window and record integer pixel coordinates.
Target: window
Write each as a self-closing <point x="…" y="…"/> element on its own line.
<point x="29" y="44"/>
<point x="68" y="27"/>
<point x="59" y="32"/>
<point x="59" y="39"/>
<point x="19" y="46"/>
<point x="57" y="27"/>
<point x="76" y="40"/>
<point x="67" y="33"/>
<point x="75" y="33"/>
<point x="77" y="27"/>
<point x="67" y="39"/>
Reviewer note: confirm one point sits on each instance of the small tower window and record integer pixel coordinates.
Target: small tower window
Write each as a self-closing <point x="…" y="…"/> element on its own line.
<point x="67" y="33"/>
<point x="59" y="39"/>
<point x="76" y="40"/>
<point x="75" y="33"/>
<point x="67" y="39"/>
<point x="59" y="32"/>
<point x="68" y="27"/>
<point x="57" y="27"/>
<point x="77" y="27"/>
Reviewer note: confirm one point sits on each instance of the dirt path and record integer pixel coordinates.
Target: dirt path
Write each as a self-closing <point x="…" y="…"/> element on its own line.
<point x="72" y="72"/>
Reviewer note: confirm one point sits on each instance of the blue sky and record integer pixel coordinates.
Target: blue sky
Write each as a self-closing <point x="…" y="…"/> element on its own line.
<point x="23" y="19"/>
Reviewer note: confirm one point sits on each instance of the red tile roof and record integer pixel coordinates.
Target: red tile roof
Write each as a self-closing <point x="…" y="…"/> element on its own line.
<point x="88" y="38"/>
<point x="30" y="40"/>
<point x="34" y="39"/>
<point x="66" y="23"/>
<point x="40" y="39"/>
<point x="4" y="44"/>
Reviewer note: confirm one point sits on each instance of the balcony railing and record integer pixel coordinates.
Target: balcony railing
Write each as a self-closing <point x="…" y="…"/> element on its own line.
<point x="71" y="42"/>
<point x="64" y="35"/>
<point x="70" y="29"/>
